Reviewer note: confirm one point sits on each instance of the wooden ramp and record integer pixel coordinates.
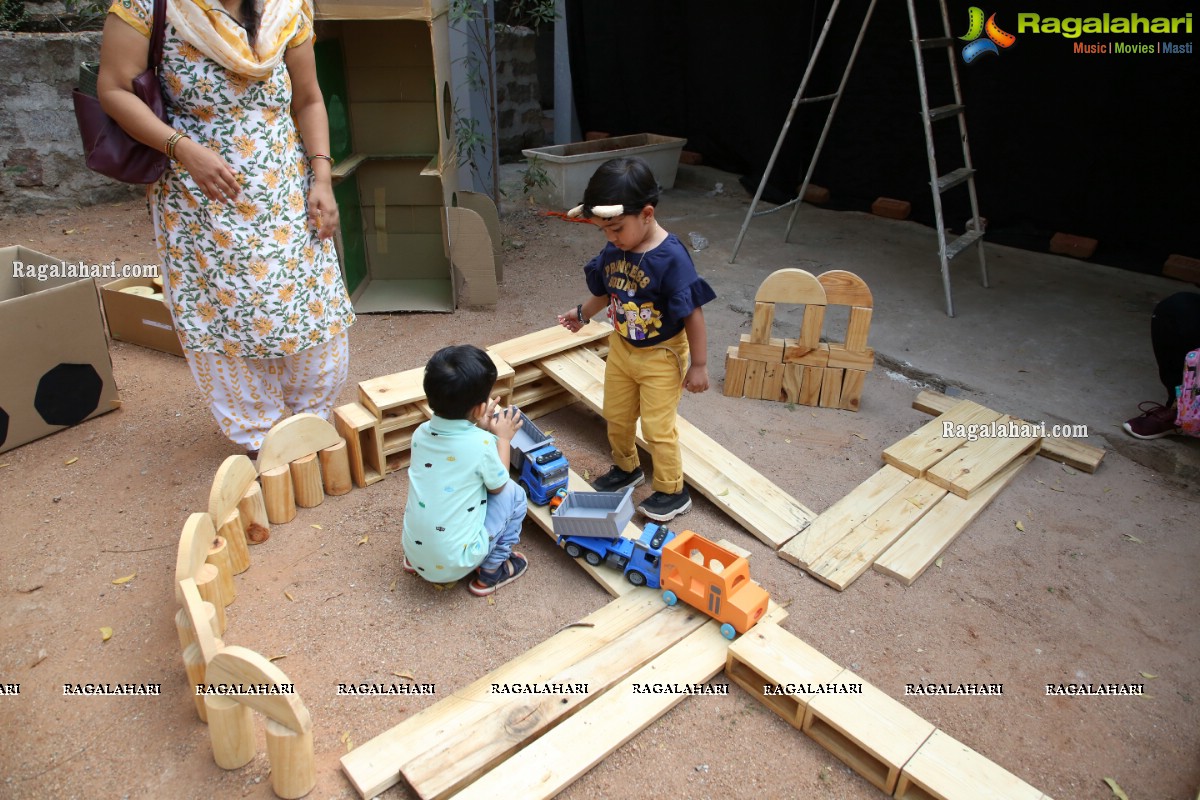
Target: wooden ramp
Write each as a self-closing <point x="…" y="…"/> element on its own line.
<point x="756" y="503"/>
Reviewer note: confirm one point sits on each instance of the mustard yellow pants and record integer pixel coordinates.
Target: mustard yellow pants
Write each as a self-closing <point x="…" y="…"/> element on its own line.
<point x="646" y="382"/>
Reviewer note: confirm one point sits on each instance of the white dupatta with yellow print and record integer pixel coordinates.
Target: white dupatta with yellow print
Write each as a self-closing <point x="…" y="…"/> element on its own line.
<point x="207" y="27"/>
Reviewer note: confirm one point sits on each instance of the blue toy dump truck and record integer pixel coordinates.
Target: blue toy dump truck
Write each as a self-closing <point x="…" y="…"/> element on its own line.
<point x="540" y="467"/>
<point x="588" y="525"/>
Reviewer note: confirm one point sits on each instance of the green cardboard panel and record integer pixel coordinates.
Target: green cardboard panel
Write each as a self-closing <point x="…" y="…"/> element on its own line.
<point x="354" y="253"/>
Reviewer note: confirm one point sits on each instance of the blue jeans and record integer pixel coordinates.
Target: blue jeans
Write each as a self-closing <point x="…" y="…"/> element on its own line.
<point x="505" y="513"/>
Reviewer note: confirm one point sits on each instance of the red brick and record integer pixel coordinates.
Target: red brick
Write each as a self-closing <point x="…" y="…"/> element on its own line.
<point x="592" y="136"/>
<point x="1182" y="268"/>
<point x="1064" y="244"/>
<point x="816" y="195"/>
<point x="891" y="208"/>
<point x="690" y="157"/>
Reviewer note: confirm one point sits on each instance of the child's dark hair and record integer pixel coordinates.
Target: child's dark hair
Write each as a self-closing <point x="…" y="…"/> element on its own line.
<point x="621" y="181"/>
<point x="457" y="379"/>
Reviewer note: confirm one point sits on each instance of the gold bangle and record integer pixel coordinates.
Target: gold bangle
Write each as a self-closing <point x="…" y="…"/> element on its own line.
<point x="172" y="142"/>
<point x="320" y="155"/>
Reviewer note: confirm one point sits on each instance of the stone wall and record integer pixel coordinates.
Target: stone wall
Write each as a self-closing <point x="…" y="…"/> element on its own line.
<point x="518" y="98"/>
<point x="41" y="158"/>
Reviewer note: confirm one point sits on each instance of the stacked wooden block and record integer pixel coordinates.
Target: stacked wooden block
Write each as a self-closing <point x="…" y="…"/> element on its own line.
<point x="302" y="459"/>
<point x="804" y="370"/>
<point x="874" y="734"/>
<point x="904" y="516"/>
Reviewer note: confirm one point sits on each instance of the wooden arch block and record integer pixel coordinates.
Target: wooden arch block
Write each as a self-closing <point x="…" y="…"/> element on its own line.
<point x="194" y="543"/>
<point x="233" y="477"/>
<point x="236" y="664"/>
<point x="297" y="436"/>
<point x="200" y="614"/>
<point x="844" y="288"/>
<point x="791" y="285"/>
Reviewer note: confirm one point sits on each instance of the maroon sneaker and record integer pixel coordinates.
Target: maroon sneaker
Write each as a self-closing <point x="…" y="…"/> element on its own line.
<point x="1155" y="422"/>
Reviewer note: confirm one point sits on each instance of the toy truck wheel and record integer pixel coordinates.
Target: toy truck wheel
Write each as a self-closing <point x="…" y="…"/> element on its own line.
<point x="593" y="558"/>
<point x="728" y="631"/>
<point x="669" y="598"/>
<point x="636" y="578"/>
<point x="573" y="550"/>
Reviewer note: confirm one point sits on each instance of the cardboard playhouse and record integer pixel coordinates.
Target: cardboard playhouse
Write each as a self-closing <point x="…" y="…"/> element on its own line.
<point x="410" y="240"/>
<point x="57" y="371"/>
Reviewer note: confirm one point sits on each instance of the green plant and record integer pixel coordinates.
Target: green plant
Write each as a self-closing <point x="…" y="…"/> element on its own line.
<point x="83" y="15"/>
<point x="469" y="141"/>
<point x="13" y="15"/>
<point x="534" y="176"/>
<point x="526" y="13"/>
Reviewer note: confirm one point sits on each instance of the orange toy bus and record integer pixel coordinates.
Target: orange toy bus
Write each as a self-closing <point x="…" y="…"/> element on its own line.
<point x="705" y="575"/>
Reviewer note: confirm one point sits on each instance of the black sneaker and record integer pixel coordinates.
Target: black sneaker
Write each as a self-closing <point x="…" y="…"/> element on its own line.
<point x="661" y="506"/>
<point x="617" y="479"/>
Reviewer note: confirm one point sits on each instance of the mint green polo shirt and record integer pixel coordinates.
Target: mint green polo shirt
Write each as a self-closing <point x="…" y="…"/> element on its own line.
<point x="454" y="463"/>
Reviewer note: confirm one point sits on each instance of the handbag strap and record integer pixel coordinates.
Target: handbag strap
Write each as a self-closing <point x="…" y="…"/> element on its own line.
<point x="157" y="29"/>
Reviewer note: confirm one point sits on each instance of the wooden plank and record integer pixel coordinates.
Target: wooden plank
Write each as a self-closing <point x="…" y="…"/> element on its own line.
<point x="380" y="394"/>
<point x="548" y="341"/>
<point x="233" y="477"/>
<point x="793" y="380"/>
<point x="975" y="463"/>
<point x="810" y="388"/>
<point x="375" y="765"/>
<point x="831" y="388"/>
<point x="761" y="507"/>
<point x="297" y="436"/>
<point x="548" y="405"/>
<point x="755" y="373"/>
<point x="808" y="355"/>
<point x="735" y="373"/>
<point x="770" y="351"/>
<point x="946" y="769"/>
<point x="926" y="446"/>
<point x="760" y="326"/>
<point x="1072" y="452"/>
<point x="548" y="765"/>
<point x="852" y="387"/>
<point x="857" y="329"/>
<point x="842" y="356"/>
<point x="839" y="519"/>
<point x="456" y="759"/>
<point x="610" y="579"/>
<point x="355" y="425"/>
<point x="872" y="733"/>
<point x="854" y="554"/>
<point x="921" y="544"/>
<point x="772" y="388"/>
<point x="768" y="656"/>
<point x="811" y="326"/>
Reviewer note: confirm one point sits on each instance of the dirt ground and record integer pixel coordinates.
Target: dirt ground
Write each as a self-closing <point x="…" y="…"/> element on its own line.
<point x="1067" y="577"/>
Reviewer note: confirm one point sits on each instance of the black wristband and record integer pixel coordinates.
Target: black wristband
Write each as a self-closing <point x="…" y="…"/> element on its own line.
<point x="579" y="313"/>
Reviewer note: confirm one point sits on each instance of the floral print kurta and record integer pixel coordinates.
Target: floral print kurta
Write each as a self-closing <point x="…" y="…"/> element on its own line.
<point x="249" y="277"/>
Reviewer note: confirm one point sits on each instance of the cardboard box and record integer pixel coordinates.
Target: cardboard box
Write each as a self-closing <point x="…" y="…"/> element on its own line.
<point x="141" y="320"/>
<point x="57" y="371"/>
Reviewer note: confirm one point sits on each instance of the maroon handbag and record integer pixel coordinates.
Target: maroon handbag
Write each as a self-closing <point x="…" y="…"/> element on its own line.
<point x="108" y="148"/>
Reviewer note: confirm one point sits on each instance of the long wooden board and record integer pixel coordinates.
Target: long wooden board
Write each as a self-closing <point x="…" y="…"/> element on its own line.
<point x="853" y="555"/>
<point x="375" y="765"/>
<point x="971" y="466"/>
<point x="547" y="342"/>
<point x="1072" y="452"/>
<point x="946" y="769"/>
<point x="921" y="545"/>
<point x="928" y="445"/>
<point x="457" y="758"/>
<point x="756" y="503"/>
<point x="840" y="518"/>
<point x="767" y="655"/>
<point x="546" y="766"/>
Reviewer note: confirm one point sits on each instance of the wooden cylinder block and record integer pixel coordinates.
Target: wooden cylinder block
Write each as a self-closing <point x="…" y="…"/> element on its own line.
<point x="232" y="531"/>
<point x="290" y="754"/>
<point x="183" y="625"/>
<point x="278" y="495"/>
<point x="231" y="729"/>
<point x="208" y="583"/>
<point x="253" y="509"/>
<point x="335" y="469"/>
<point x="219" y="557"/>
<point x="193" y="662"/>
<point x="306" y="480"/>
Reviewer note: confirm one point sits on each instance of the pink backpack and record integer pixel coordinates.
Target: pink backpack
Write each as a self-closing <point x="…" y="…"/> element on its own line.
<point x="1188" y="403"/>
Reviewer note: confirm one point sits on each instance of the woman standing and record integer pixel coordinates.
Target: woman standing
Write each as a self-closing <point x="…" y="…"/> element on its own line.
<point x="244" y="216"/>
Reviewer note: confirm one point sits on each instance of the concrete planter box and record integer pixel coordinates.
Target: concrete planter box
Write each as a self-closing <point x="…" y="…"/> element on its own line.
<point x="570" y="166"/>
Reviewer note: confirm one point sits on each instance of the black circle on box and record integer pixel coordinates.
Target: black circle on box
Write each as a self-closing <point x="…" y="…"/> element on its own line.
<point x="68" y="393"/>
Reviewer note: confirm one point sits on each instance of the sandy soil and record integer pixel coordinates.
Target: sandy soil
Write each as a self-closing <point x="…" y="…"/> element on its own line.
<point x="1099" y="586"/>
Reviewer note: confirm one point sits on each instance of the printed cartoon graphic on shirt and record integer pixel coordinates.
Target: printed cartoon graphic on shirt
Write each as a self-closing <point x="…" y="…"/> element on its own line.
<point x="634" y="322"/>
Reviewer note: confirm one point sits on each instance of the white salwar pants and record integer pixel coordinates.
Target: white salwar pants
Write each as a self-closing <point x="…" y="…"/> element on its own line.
<point x="248" y="396"/>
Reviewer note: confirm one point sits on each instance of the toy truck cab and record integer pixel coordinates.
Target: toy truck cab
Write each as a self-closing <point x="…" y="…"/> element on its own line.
<point x="645" y="560"/>
<point x="541" y="467"/>
<point x="706" y="576"/>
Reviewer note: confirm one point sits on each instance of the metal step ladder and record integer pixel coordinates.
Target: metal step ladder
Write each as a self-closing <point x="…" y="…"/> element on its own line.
<point x="948" y="248"/>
